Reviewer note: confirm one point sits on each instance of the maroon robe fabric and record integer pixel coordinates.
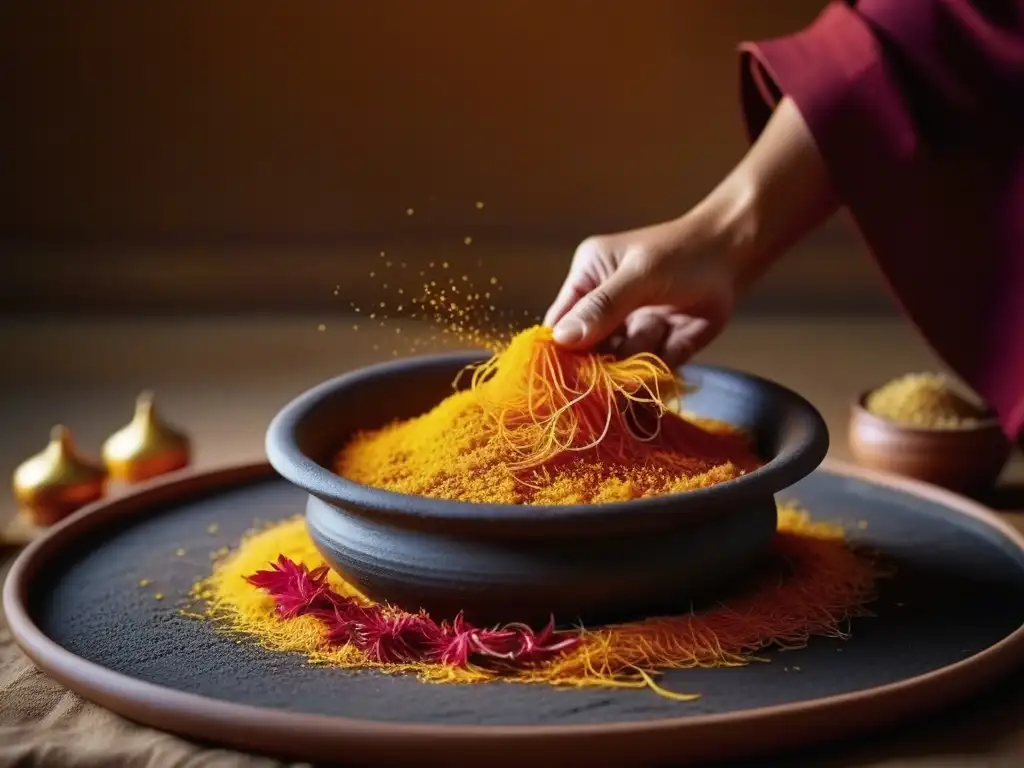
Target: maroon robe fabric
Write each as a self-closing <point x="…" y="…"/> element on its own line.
<point x="917" y="107"/>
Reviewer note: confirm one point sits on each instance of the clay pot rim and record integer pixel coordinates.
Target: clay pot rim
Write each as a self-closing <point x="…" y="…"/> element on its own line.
<point x="800" y="452"/>
<point x="987" y="423"/>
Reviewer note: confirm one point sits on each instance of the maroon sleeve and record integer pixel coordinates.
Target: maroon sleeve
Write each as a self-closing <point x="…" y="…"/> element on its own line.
<point x="917" y="107"/>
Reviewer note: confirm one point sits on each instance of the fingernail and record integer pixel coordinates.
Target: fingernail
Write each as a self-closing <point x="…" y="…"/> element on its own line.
<point x="569" y="331"/>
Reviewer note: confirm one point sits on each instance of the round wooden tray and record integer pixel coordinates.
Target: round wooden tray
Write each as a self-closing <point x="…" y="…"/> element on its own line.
<point x="949" y="623"/>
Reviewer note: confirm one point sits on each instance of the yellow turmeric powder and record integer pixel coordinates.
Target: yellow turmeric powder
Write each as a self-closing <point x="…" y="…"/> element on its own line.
<point x="541" y="425"/>
<point x="825" y="584"/>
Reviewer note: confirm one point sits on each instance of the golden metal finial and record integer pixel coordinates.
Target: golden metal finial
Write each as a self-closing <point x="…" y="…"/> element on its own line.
<point x="57" y="481"/>
<point x="146" y="447"/>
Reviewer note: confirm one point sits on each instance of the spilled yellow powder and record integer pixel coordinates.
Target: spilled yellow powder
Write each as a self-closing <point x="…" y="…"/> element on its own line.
<point x="826" y="584"/>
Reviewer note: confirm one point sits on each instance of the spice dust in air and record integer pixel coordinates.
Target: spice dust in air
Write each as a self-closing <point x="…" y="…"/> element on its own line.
<point x="449" y="302"/>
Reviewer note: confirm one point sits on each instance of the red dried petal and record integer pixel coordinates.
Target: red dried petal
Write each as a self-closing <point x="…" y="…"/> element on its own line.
<point x="296" y="590"/>
<point x="392" y="637"/>
<point x="396" y="639"/>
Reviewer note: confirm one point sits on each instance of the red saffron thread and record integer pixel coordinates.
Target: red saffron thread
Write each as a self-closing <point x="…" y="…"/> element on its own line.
<point x="389" y="636"/>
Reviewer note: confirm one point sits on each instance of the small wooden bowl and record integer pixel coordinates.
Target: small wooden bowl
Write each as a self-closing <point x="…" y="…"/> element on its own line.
<point x="968" y="459"/>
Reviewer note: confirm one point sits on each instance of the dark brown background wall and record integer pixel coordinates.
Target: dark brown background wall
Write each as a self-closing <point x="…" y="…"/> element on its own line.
<point x="251" y="154"/>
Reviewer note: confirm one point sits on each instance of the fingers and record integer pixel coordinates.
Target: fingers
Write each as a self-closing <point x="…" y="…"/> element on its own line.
<point x="689" y="335"/>
<point x="570" y="293"/>
<point x="682" y="343"/>
<point x="597" y="314"/>
<point x="646" y="331"/>
<point x="578" y="282"/>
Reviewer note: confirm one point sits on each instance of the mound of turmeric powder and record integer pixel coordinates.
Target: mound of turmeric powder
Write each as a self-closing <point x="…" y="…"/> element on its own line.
<point x="542" y="425"/>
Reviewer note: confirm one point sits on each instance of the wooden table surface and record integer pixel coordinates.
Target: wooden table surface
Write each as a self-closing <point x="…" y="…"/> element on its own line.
<point x="222" y="379"/>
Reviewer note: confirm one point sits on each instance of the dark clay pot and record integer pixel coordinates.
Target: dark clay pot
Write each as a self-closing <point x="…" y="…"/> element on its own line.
<point x="501" y="563"/>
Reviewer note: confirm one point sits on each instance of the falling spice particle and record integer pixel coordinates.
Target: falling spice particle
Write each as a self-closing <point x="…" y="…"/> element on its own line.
<point x="321" y="327"/>
<point x="159" y="596"/>
<point x="468" y="240"/>
<point x="479" y="205"/>
<point x="355" y="327"/>
<point x="796" y="669"/>
<point x="458" y="306"/>
<point x="143" y="582"/>
<point x="862" y="525"/>
<point x="180" y="552"/>
<point x="409" y="211"/>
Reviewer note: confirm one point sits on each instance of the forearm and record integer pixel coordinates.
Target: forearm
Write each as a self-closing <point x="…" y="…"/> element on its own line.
<point x="778" y="193"/>
<point x="914" y="106"/>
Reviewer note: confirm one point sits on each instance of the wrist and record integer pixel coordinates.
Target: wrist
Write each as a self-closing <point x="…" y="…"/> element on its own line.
<point x="730" y="224"/>
<point x="778" y="193"/>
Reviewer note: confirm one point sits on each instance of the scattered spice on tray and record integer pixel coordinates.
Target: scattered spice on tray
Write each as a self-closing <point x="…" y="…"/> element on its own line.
<point x="927" y="400"/>
<point x="275" y="590"/>
<point x="539" y="424"/>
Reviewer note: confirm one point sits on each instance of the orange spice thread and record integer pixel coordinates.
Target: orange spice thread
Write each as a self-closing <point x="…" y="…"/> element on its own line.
<point x="543" y="425"/>
<point x="826" y="583"/>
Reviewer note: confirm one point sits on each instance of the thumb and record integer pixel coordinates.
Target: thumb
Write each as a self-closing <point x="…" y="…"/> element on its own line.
<point x="596" y="316"/>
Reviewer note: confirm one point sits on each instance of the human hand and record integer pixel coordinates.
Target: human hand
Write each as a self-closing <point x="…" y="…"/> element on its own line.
<point x="667" y="289"/>
<point x="670" y="288"/>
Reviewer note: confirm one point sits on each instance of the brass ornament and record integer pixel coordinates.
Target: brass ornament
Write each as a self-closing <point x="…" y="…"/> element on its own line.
<point x="147" y="447"/>
<point x="57" y="481"/>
